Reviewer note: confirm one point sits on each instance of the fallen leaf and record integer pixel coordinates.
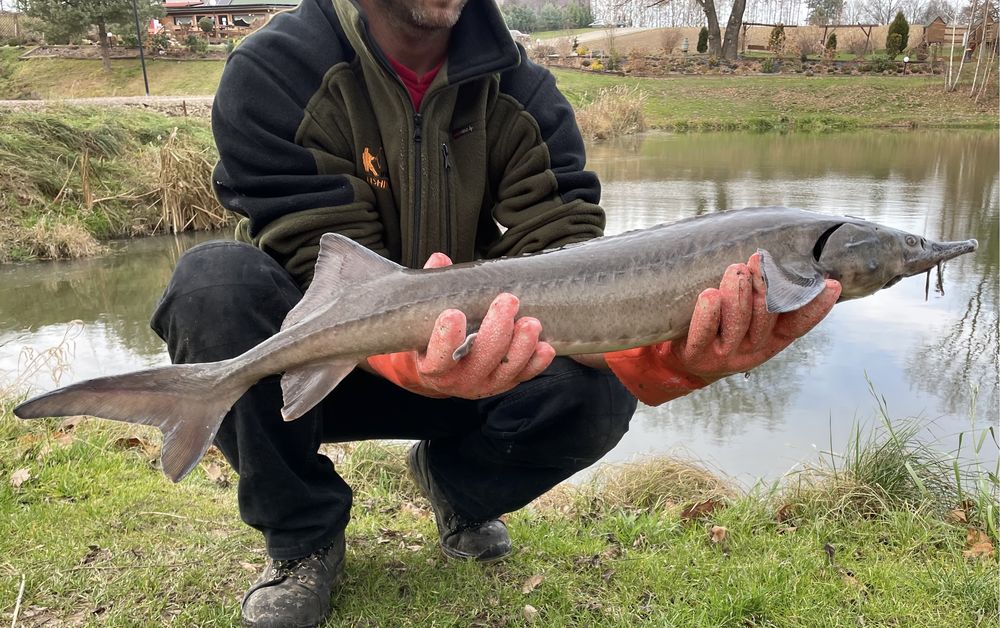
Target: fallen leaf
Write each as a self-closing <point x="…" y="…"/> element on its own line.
<point x="19" y="477"/>
<point x="95" y="553"/>
<point x="787" y="529"/>
<point x="248" y="567"/>
<point x="830" y="551"/>
<point x="957" y="516"/>
<point x="640" y="541"/>
<point x="69" y="423"/>
<point x="532" y="583"/>
<point x="216" y="474"/>
<point x="612" y="552"/>
<point x="718" y="534"/>
<point x="145" y="446"/>
<point x="785" y="513"/>
<point x="979" y="544"/>
<point x="530" y="612"/>
<point x="413" y="510"/>
<point x="700" y="509"/>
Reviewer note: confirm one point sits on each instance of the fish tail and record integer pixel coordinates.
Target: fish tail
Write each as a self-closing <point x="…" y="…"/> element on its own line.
<point x="187" y="402"/>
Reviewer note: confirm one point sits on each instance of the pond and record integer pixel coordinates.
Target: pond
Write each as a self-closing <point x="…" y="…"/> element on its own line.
<point x="936" y="359"/>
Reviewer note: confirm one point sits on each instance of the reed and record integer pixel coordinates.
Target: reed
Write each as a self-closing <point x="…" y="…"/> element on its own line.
<point x="186" y="198"/>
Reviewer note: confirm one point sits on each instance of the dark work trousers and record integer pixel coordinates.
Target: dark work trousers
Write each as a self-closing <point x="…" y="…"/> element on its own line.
<point x="488" y="456"/>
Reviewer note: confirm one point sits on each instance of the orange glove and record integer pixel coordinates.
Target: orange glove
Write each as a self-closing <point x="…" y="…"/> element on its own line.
<point x="731" y="332"/>
<point x="505" y="353"/>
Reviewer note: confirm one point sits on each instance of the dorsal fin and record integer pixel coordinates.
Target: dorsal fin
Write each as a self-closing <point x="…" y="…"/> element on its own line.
<point x="342" y="264"/>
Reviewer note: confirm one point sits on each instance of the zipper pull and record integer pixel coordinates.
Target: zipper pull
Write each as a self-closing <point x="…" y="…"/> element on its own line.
<point x="444" y="153"/>
<point x="417" y="119"/>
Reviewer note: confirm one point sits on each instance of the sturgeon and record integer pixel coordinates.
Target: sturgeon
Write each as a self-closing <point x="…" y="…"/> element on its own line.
<point x="606" y="294"/>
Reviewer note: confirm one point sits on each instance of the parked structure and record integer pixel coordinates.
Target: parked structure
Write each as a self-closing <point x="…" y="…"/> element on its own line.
<point x="233" y="18"/>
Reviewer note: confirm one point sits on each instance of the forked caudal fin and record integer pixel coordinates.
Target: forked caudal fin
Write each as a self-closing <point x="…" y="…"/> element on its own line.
<point x="187" y="402"/>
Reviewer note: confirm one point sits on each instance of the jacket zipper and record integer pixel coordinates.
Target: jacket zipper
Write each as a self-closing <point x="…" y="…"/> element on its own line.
<point x="446" y="190"/>
<point x="417" y="139"/>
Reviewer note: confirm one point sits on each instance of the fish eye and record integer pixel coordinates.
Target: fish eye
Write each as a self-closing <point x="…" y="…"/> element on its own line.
<point x="911" y="241"/>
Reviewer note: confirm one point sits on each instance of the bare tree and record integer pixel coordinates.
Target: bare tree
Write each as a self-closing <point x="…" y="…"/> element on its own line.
<point x="717" y="46"/>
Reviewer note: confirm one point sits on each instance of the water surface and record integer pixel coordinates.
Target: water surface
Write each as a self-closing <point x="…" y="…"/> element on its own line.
<point x="936" y="359"/>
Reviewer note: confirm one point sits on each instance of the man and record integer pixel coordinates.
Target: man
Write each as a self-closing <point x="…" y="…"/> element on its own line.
<point x="417" y="129"/>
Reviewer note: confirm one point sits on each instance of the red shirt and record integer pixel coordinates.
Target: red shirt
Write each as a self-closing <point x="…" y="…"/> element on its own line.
<point x="415" y="85"/>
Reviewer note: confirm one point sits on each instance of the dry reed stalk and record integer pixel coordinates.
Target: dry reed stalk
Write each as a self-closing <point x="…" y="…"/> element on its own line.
<point x="186" y="198"/>
<point x="88" y="198"/>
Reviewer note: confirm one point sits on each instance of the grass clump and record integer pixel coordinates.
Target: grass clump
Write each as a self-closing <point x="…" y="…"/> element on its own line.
<point x="75" y="176"/>
<point x="614" y="112"/>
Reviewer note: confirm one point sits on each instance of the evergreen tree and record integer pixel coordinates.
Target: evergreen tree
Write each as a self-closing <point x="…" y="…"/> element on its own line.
<point x="702" y="40"/>
<point x="899" y="26"/>
<point x="519" y="18"/>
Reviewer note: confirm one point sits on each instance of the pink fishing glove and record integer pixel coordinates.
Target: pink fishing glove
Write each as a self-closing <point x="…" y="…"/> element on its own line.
<point x="731" y="332"/>
<point x="505" y="353"/>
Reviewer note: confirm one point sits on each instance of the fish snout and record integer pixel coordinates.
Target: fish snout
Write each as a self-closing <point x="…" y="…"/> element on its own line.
<point x="936" y="252"/>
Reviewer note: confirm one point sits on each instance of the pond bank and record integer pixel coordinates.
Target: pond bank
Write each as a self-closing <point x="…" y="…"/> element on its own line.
<point x="76" y="176"/>
<point x="96" y="531"/>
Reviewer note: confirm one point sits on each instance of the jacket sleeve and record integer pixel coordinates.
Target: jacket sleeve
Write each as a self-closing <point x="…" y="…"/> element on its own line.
<point x="544" y="197"/>
<point x="289" y="194"/>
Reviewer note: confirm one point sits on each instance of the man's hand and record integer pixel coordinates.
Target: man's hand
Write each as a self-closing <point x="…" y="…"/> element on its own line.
<point x="731" y="332"/>
<point x="505" y="353"/>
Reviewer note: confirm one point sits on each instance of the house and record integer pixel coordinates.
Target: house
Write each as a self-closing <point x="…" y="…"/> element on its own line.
<point x="233" y="18"/>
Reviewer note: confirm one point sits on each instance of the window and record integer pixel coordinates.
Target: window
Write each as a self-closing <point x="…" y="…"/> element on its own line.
<point x="186" y="20"/>
<point x="244" y="19"/>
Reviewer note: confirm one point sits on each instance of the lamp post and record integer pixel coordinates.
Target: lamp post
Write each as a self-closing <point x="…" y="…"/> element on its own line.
<point x="138" y="35"/>
<point x="906" y="63"/>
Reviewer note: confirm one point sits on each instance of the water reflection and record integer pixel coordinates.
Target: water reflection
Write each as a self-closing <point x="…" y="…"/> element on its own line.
<point x="924" y="357"/>
<point x="112" y="296"/>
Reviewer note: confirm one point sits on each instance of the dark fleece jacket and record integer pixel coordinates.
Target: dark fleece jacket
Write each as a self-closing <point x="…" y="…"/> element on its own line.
<point x="316" y="133"/>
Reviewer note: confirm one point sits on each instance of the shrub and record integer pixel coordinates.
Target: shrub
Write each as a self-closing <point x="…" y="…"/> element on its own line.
<point x="880" y="63"/>
<point x="159" y="41"/>
<point x="128" y="40"/>
<point x="702" y="40"/>
<point x="857" y="46"/>
<point x="901" y="28"/>
<point x="669" y="40"/>
<point x="831" y="43"/>
<point x="805" y="45"/>
<point x="894" y="45"/>
<point x="206" y="24"/>
<point x="196" y="44"/>
<point x="776" y="42"/>
<point x="769" y="66"/>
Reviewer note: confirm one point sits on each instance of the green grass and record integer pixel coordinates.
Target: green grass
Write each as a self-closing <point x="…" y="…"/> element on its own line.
<point x="100" y="536"/>
<point x="784" y="103"/>
<point x="569" y="32"/>
<point x="77" y="78"/>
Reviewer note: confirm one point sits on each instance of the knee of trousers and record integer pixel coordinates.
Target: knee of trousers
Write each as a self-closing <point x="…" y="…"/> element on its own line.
<point x="223" y="298"/>
<point x="569" y="417"/>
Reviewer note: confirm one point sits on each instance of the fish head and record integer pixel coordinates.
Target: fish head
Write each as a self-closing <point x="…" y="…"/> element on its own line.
<point x="866" y="257"/>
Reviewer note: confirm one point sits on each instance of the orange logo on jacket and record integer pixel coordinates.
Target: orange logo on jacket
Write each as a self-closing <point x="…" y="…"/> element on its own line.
<point x="372" y="165"/>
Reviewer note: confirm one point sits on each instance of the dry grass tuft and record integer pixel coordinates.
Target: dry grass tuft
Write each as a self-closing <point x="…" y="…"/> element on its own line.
<point x="187" y="200"/>
<point x="614" y="112"/>
<point x="653" y="483"/>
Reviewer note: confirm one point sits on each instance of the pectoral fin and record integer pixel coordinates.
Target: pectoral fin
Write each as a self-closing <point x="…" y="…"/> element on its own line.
<point x="305" y="386"/>
<point x="789" y="286"/>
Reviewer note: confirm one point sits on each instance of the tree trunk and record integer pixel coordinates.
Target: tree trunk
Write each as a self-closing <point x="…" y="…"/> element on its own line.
<point x="102" y="37"/>
<point x="714" y="34"/>
<point x="731" y="44"/>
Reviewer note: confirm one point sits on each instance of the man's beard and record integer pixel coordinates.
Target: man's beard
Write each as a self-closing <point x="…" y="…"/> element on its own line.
<point x="416" y="15"/>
